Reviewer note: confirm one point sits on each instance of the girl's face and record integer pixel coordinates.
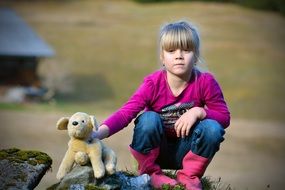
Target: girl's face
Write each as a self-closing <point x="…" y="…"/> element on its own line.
<point x="178" y="62"/>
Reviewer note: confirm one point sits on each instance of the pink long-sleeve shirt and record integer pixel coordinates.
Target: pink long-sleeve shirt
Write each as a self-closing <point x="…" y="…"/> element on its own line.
<point x="154" y="94"/>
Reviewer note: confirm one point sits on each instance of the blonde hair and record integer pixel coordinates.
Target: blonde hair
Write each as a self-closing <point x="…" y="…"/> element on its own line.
<point x="180" y="35"/>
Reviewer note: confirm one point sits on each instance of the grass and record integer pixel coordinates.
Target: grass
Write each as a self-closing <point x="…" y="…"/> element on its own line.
<point x="208" y="183"/>
<point x="105" y="48"/>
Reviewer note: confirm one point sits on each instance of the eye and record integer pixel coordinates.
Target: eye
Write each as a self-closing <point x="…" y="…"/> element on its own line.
<point x="169" y="50"/>
<point x="83" y="121"/>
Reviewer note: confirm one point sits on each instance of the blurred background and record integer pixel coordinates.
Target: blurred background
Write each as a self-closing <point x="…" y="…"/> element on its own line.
<point x="63" y="56"/>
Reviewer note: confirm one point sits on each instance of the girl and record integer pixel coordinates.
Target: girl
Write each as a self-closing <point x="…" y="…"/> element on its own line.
<point x="184" y="115"/>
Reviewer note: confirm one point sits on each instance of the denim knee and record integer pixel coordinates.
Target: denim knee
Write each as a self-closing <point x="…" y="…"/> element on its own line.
<point x="207" y="136"/>
<point x="213" y="131"/>
<point x="148" y="123"/>
<point x="147" y="132"/>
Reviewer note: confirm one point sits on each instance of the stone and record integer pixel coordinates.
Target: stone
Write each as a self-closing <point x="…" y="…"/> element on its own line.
<point x="82" y="175"/>
<point x="134" y="182"/>
<point x="21" y="169"/>
<point x="82" y="178"/>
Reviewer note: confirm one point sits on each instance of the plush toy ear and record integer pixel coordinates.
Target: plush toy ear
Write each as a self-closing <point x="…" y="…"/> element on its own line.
<point x="94" y="122"/>
<point x="62" y="123"/>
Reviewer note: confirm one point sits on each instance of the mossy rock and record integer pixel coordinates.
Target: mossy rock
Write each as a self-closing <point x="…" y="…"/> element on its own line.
<point x="22" y="169"/>
<point x="31" y="156"/>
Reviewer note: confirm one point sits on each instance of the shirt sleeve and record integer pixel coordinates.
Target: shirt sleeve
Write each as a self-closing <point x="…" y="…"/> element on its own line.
<point x="215" y="105"/>
<point x="137" y="102"/>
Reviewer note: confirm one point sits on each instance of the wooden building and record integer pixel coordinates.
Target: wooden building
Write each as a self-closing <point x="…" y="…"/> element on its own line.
<point x="21" y="50"/>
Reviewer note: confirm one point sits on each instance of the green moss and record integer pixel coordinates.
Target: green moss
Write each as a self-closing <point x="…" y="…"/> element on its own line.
<point x="43" y="158"/>
<point x="93" y="187"/>
<point x="20" y="156"/>
<point x="3" y="155"/>
<point x="170" y="173"/>
<point x="17" y="160"/>
<point x="129" y="173"/>
<point x="53" y="187"/>
<point x="11" y="150"/>
<point x="22" y="177"/>
<point x="207" y="183"/>
<point x="176" y="187"/>
<point x="32" y="162"/>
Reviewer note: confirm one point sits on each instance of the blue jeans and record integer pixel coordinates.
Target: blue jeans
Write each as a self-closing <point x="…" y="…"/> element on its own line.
<point x="204" y="140"/>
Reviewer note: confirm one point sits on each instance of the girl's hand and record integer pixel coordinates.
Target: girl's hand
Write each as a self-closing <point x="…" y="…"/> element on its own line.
<point x="187" y="120"/>
<point x="101" y="133"/>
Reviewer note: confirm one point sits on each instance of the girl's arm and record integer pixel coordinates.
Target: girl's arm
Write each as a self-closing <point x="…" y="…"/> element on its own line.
<point x="215" y="105"/>
<point x="122" y="117"/>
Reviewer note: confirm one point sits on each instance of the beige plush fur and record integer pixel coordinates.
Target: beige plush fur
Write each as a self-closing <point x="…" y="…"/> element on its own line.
<point x="82" y="148"/>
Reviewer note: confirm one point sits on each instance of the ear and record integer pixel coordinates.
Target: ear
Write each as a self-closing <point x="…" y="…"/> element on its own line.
<point x="161" y="57"/>
<point x="62" y="123"/>
<point x="94" y="122"/>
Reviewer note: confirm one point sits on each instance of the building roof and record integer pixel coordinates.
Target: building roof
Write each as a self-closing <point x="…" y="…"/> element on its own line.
<point x="18" y="39"/>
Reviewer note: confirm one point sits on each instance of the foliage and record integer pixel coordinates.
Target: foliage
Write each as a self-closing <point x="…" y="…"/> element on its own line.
<point x="207" y="183"/>
<point x="93" y="187"/>
<point x="272" y="5"/>
<point x="214" y="184"/>
<point x="176" y="187"/>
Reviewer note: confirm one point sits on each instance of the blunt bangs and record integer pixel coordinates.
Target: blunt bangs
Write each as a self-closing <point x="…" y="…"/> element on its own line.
<point x="176" y="37"/>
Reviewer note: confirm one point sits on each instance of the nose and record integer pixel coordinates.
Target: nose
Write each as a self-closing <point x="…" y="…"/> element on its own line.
<point x="74" y="123"/>
<point x="178" y="54"/>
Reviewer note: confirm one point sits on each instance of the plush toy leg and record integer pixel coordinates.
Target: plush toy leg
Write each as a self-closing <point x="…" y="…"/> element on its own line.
<point x="97" y="163"/>
<point x="146" y="164"/>
<point x="194" y="167"/>
<point x="110" y="160"/>
<point x="66" y="164"/>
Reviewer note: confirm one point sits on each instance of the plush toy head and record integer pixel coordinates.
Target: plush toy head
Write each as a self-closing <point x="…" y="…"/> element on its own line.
<point x="80" y="125"/>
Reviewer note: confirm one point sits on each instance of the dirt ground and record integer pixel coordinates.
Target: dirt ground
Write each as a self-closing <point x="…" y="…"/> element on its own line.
<point x="251" y="157"/>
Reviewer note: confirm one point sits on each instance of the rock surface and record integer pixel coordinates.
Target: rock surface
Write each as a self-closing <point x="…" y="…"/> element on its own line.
<point x="81" y="178"/>
<point x="21" y="169"/>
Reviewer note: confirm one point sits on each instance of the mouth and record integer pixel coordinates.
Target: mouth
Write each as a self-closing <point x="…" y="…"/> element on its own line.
<point x="179" y="64"/>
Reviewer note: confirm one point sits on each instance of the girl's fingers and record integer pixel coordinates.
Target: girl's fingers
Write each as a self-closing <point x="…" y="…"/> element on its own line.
<point x="181" y="130"/>
<point x="185" y="130"/>
<point x="178" y="127"/>
<point x="178" y="131"/>
<point x="188" y="130"/>
<point x="176" y="124"/>
<point x="182" y="127"/>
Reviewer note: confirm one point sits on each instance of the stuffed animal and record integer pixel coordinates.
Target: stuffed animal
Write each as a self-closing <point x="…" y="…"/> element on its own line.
<point x="82" y="148"/>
